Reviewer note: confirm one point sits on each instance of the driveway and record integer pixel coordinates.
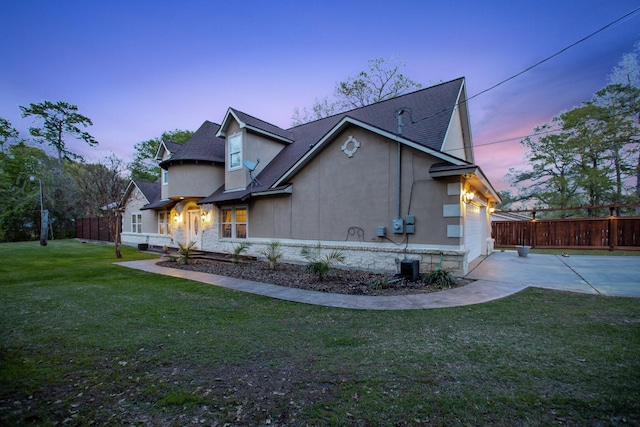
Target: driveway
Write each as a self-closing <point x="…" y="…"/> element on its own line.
<point x="592" y="274"/>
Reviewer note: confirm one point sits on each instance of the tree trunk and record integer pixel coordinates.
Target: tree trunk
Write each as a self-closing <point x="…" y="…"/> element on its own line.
<point x="44" y="226"/>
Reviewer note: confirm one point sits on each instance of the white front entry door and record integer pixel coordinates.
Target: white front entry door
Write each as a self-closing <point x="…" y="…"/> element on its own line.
<point x="194" y="228"/>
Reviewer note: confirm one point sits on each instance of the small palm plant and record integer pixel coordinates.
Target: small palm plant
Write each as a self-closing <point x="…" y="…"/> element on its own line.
<point x="318" y="263"/>
<point x="238" y="250"/>
<point x="273" y="253"/>
<point x="185" y="252"/>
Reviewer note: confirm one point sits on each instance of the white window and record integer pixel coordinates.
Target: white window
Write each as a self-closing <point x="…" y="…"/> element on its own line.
<point x="136" y="223"/>
<point x="235" y="151"/>
<point x="165" y="176"/>
<point x="234" y="223"/>
<point x="163" y="223"/>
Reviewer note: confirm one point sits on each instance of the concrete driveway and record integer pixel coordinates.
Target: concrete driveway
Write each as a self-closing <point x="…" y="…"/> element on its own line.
<point x="604" y="275"/>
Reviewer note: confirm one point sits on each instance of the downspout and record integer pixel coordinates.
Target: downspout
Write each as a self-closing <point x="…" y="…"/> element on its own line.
<point x="399" y="214"/>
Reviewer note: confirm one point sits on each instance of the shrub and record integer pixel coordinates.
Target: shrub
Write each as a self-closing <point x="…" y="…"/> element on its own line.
<point x="440" y="278"/>
<point x="185" y="252"/>
<point x="273" y="253"/>
<point x="379" y="283"/>
<point x="238" y="250"/>
<point x="318" y="263"/>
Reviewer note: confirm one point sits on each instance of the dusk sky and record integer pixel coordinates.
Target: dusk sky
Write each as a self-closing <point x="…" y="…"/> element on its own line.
<point x="138" y="68"/>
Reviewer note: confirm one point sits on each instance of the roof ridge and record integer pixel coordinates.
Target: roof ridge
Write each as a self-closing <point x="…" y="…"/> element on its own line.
<point x="346" y="112"/>
<point x="255" y="118"/>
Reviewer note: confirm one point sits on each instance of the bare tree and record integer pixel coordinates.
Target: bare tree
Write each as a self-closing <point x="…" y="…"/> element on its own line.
<point x="384" y="80"/>
<point x="102" y="186"/>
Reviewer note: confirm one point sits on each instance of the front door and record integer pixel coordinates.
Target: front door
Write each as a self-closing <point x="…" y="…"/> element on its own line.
<point x="194" y="228"/>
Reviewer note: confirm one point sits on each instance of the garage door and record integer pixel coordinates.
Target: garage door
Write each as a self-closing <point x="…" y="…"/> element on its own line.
<point x="473" y="231"/>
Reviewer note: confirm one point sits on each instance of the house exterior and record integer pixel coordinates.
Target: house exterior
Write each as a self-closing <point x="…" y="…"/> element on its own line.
<point x="390" y="181"/>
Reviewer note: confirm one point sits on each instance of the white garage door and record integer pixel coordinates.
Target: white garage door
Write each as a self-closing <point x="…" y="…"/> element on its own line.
<point x="473" y="231"/>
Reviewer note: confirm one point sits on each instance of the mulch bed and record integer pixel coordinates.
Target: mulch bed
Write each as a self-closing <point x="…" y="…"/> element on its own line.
<point x="340" y="281"/>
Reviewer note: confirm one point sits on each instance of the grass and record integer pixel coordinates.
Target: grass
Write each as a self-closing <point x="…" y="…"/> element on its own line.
<point x="84" y="341"/>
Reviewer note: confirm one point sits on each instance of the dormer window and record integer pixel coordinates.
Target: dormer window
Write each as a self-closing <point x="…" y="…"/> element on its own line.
<point x="235" y="151"/>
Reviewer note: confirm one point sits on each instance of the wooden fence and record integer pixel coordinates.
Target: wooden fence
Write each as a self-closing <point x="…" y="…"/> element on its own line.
<point x="93" y="228"/>
<point x="594" y="233"/>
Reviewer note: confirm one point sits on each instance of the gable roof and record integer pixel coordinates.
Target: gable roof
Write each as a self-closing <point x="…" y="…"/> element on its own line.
<point x="166" y="146"/>
<point x="202" y="146"/>
<point x="149" y="190"/>
<point x="426" y="119"/>
<point x="255" y="125"/>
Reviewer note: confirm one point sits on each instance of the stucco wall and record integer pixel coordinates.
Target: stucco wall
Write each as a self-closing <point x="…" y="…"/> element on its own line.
<point x="194" y="180"/>
<point x="336" y="195"/>
<point x="254" y="146"/>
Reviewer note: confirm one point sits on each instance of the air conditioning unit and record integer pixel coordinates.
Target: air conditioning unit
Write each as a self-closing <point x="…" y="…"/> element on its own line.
<point x="410" y="269"/>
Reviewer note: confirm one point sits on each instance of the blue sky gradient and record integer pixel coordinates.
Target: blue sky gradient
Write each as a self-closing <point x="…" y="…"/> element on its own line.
<point x="138" y="68"/>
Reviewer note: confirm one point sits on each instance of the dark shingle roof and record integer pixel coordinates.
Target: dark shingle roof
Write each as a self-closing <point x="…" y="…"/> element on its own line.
<point x="203" y="145"/>
<point x="425" y="124"/>
<point x="151" y="190"/>
<point x="172" y="146"/>
<point x="261" y="125"/>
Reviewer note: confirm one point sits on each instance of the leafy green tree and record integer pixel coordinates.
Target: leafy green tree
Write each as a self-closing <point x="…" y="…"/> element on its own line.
<point x="586" y="156"/>
<point x="144" y="166"/>
<point x="383" y="80"/>
<point x="58" y="120"/>
<point x="549" y="181"/>
<point x="19" y="195"/>
<point x="6" y="132"/>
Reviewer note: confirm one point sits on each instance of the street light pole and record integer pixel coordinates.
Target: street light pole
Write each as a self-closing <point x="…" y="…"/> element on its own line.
<point x="44" y="216"/>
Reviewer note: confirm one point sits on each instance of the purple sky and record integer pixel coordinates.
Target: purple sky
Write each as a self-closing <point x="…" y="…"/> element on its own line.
<point x="138" y="68"/>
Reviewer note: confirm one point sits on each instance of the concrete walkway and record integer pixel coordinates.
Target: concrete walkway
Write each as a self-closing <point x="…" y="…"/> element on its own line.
<point x="591" y="274"/>
<point x="497" y="276"/>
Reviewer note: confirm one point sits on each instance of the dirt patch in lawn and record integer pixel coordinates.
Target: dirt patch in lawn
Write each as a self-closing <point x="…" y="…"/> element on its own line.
<point x="338" y="280"/>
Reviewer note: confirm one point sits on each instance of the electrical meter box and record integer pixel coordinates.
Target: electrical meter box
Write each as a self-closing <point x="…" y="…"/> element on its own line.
<point x="398" y="226"/>
<point x="410" y="221"/>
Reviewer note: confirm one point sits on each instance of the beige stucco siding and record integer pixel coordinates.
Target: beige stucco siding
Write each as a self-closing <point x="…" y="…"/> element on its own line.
<point x="270" y="218"/>
<point x="254" y="147"/>
<point x="194" y="180"/>
<point x="335" y="194"/>
<point x="259" y="147"/>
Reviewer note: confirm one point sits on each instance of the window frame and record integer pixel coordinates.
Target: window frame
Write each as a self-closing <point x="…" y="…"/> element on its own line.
<point x="136" y="222"/>
<point x="165" y="176"/>
<point x="229" y="223"/>
<point x="164" y="223"/>
<point x="234" y="139"/>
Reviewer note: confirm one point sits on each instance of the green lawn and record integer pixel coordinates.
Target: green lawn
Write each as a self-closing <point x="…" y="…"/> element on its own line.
<point x="84" y="341"/>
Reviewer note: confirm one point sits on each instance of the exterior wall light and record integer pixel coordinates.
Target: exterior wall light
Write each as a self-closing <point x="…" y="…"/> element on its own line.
<point x="468" y="196"/>
<point x="206" y="216"/>
<point x="177" y="218"/>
